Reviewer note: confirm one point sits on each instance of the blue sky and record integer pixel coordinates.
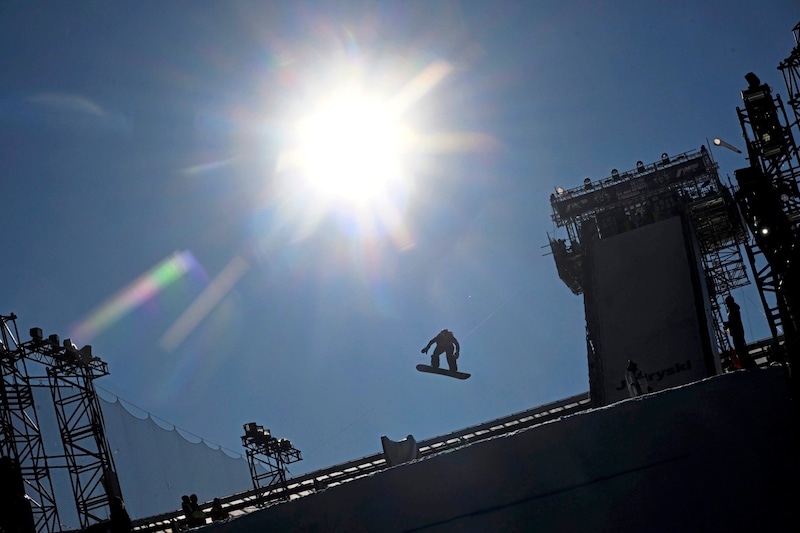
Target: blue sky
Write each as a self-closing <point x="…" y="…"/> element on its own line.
<point x="141" y="173"/>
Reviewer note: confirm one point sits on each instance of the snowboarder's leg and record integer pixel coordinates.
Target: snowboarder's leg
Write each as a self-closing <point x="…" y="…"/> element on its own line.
<point x="435" y="357"/>
<point x="451" y="360"/>
<point x="742" y="352"/>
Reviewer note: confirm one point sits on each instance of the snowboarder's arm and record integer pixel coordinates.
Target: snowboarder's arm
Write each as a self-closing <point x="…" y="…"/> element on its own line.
<point x="425" y="349"/>
<point x="458" y="348"/>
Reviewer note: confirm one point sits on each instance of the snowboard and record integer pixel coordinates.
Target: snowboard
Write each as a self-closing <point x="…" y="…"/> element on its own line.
<point x="443" y="372"/>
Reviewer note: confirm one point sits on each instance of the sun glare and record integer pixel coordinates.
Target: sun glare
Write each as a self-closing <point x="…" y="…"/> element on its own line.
<point x="351" y="148"/>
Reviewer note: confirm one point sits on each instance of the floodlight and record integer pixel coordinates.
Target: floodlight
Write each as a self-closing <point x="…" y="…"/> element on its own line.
<point x="559" y="190"/>
<point x="720" y="142"/>
<point x="85" y="355"/>
<point x="639" y="166"/>
<point x="752" y="80"/>
<point x="615" y="173"/>
<point x="665" y="158"/>
<point x="36" y="334"/>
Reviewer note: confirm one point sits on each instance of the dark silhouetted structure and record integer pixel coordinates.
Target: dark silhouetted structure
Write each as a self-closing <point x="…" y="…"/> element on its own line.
<point x="268" y="457"/>
<point x="69" y="373"/>
<point x="650" y="250"/>
<point x="16" y="514"/>
<point x="769" y="199"/>
<point x="609" y="469"/>
<point x="400" y="452"/>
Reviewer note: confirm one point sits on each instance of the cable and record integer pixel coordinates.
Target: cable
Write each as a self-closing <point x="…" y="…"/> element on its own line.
<point x="348" y="426"/>
<point x="493" y="312"/>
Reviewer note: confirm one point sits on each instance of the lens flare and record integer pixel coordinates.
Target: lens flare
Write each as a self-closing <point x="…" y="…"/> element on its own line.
<point x="140" y="291"/>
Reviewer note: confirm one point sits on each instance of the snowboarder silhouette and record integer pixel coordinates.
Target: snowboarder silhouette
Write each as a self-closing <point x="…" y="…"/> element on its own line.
<point x="445" y="343"/>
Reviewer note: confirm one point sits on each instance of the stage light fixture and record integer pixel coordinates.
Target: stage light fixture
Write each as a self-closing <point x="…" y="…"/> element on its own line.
<point x="720" y="142"/>
<point x="753" y="81"/>
<point x="252" y="429"/>
<point x="36" y="334"/>
<point x="257" y="433"/>
<point x="639" y="167"/>
<point x="763" y="116"/>
<point x="559" y="191"/>
<point x="85" y="355"/>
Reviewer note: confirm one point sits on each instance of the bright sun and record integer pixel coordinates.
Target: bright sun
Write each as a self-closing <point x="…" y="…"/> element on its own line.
<point x="350" y="148"/>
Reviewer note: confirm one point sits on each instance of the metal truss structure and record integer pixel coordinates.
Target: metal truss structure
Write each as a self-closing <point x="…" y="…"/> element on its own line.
<point x="271" y="454"/>
<point x="686" y="184"/>
<point x="790" y="68"/>
<point x="20" y="436"/>
<point x="69" y="374"/>
<point x="769" y="197"/>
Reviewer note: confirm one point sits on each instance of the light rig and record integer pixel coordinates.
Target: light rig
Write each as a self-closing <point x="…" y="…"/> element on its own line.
<point x="268" y="457"/>
<point x="769" y="199"/>
<point x="655" y="250"/>
<point x="69" y="374"/>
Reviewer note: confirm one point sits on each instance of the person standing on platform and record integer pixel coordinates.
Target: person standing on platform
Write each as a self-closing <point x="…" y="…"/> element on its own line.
<point x="736" y="331"/>
<point x="217" y="512"/>
<point x="636" y="380"/>
<point x="120" y="519"/>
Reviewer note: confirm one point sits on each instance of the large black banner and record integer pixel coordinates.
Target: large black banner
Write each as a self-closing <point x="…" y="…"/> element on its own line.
<point x="576" y="201"/>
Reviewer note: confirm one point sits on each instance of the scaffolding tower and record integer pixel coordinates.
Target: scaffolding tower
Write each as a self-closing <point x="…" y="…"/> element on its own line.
<point x="687" y="183"/>
<point x="20" y="435"/>
<point x="769" y="198"/>
<point x="69" y="373"/>
<point x="268" y="457"/>
<point x="790" y="68"/>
